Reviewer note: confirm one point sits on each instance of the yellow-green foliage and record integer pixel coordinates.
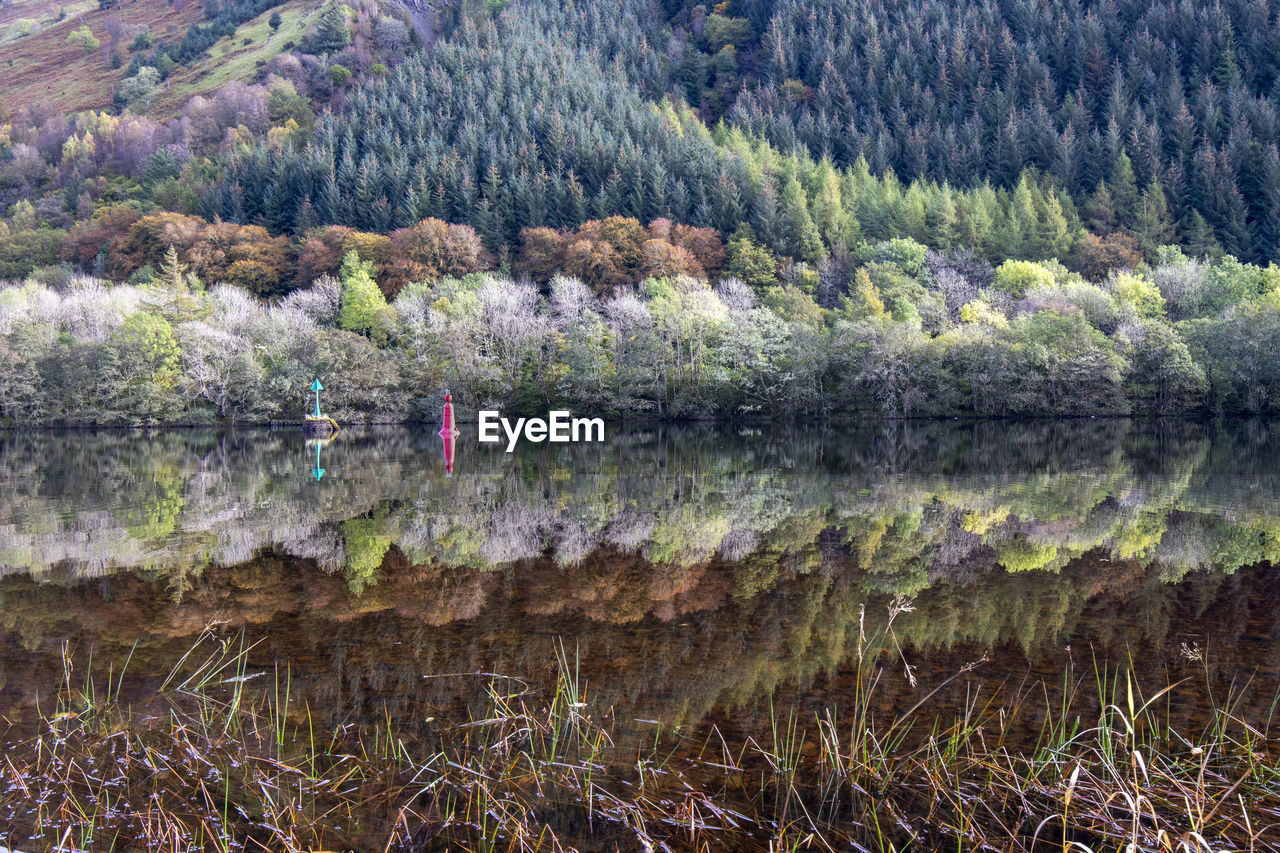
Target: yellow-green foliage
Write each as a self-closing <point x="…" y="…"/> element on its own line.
<point x="979" y="522"/>
<point x="83" y="38"/>
<point x="795" y="536"/>
<point x="864" y="540"/>
<point x="1270" y="285"/>
<point x="1138" y="538"/>
<point x="755" y="574"/>
<point x="864" y="301"/>
<point x="687" y="534"/>
<point x="159" y="518"/>
<point x="366" y="545"/>
<point x="1023" y="555"/>
<point x="1018" y="277"/>
<point x="361" y="299"/>
<point x="981" y="313"/>
<point x="795" y="306"/>
<point x="1138" y="293"/>
<point x="150" y="339"/>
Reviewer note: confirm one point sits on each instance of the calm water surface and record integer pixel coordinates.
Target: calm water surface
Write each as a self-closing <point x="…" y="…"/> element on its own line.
<point x="696" y="574"/>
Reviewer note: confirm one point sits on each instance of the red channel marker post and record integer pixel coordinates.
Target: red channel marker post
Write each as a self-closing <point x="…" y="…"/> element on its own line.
<point x="448" y="432"/>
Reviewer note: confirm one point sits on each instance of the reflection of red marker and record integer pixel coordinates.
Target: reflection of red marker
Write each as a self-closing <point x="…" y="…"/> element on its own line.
<point x="448" y="432"/>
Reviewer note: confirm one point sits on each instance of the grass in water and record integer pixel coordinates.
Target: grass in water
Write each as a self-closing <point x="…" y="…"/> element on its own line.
<point x="224" y="758"/>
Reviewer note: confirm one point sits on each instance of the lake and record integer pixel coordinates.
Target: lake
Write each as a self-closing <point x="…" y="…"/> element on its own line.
<point x="691" y="584"/>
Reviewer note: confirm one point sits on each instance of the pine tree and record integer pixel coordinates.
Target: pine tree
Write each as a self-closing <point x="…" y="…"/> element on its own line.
<point x="767" y="217"/>
<point x="1198" y="237"/>
<point x="940" y="218"/>
<point x="1268" y="225"/>
<point x="864" y="301"/>
<point x="1100" y="213"/>
<point x="751" y="262"/>
<point x="170" y="294"/>
<point x="829" y="211"/>
<point x="306" y="218"/>
<point x="1053" y="232"/>
<point x="173" y="272"/>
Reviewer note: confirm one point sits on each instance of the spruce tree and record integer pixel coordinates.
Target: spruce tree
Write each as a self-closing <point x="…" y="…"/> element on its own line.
<point x="333" y="32"/>
<point x="803" y="240"/>
<point x="1124" y="189"/>
<point x="1153" y="228"/>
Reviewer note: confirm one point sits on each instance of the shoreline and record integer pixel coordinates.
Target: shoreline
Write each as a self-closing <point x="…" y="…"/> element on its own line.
<point x="850" y="421"/>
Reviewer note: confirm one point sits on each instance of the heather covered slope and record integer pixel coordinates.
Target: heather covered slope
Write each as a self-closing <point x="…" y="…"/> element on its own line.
<point x="43" y="70"/>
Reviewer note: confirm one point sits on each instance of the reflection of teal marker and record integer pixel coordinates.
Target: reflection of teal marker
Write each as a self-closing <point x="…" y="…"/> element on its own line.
<point x="317" y="471"/>
<point x="317" y="387"/>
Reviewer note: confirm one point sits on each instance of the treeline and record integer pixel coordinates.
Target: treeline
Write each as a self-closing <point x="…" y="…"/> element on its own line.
<point x="891" y="329"/>
<point x="1109" y="98"/>
<point x="129" y="247"/>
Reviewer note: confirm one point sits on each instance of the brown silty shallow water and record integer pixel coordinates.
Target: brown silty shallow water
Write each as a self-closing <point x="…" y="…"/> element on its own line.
<point x="698" y="580"/>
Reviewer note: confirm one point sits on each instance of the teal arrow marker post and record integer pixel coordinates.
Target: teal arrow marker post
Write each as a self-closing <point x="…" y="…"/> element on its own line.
<point x="317" y="387"/>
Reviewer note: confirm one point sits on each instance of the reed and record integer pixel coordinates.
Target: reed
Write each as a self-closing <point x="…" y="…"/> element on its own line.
<point x="219" y="758"/>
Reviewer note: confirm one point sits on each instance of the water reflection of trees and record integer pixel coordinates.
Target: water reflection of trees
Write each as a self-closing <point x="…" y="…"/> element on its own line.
<point x="671" y="644"/>
<point x="692" y="571"/>
<point x="907" y="502"/>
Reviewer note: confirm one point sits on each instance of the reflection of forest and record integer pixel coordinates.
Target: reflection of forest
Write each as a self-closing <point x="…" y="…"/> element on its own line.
<point x="908" y="502"/>
<point x="351" y="657"/>
<point x="692" y="568"/>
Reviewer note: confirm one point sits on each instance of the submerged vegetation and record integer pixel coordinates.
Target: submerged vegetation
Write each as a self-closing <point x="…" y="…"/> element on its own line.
<point x="524" y="768"/>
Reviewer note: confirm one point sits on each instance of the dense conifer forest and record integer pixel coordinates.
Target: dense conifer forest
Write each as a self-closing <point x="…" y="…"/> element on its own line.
<point x="660" y="209"/>
<point x="1156" y="122"/>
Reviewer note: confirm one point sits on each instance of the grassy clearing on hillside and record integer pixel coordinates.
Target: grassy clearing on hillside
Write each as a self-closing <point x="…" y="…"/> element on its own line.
<point x="231" y="59"/>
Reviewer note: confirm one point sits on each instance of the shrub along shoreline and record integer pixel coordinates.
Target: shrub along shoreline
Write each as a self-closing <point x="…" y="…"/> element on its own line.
<point x="891" y="330"/>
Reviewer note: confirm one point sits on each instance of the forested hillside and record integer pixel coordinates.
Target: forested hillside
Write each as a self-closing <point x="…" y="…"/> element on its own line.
<point x="1159" y="121"/>
<point x="506" y="127"/>
<point x="658" y="209"/>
